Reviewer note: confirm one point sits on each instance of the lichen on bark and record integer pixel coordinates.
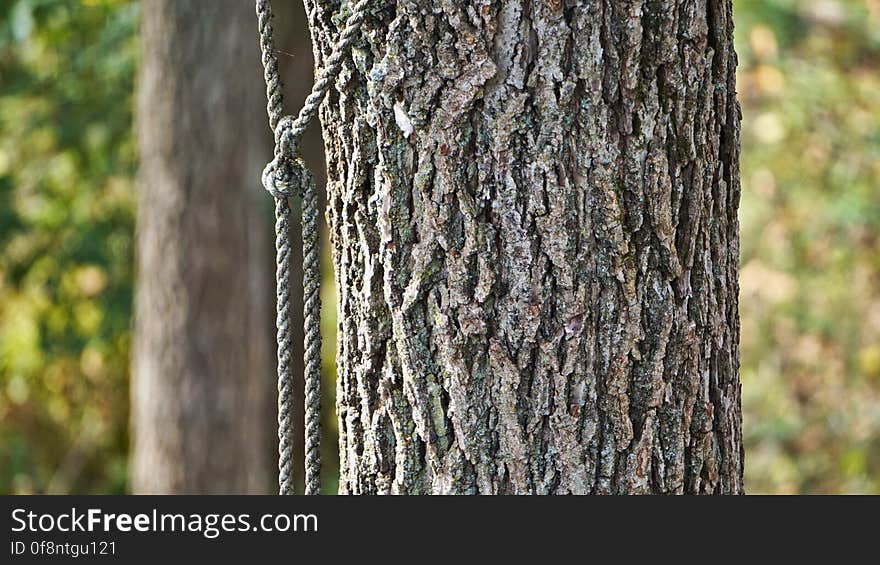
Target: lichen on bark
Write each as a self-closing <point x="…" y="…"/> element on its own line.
<point x="533" y="219"/>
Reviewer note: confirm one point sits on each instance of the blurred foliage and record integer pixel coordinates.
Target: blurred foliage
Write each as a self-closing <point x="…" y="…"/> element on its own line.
<point x="66" y="225"/>
<point x="809" y="83"/>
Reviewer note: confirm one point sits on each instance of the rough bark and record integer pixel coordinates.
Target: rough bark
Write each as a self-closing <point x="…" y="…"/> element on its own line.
<point x="203" y="369"/>
<point x="533" y="213"/>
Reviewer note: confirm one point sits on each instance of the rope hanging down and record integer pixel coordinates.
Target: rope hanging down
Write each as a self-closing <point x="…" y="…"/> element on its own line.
<point x="285" y="176"/>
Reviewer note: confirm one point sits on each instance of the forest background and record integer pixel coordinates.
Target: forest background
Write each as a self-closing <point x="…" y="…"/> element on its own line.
<point x="809" y="85"/>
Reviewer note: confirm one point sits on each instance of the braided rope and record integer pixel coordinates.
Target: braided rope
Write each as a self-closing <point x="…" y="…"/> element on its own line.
<point x="282" y="259"/>
<point x="285" y="175"/>
<point x="274" y="98"/>
<point x="331" y="67"/>
<point x="285" y="388"/>
<point x="312" y="322"/>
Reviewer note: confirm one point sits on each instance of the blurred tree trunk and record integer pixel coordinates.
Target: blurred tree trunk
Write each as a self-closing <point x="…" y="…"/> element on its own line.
<point x="203" y="368"/>
<point x="533" y="213"/>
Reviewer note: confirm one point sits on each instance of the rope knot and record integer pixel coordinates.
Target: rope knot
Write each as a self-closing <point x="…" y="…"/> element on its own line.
<point x="286" y="174"/>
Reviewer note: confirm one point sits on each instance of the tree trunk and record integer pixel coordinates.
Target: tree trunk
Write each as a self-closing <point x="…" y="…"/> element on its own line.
<point x="533" y="211"/>
<point x="203" y="365"/>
